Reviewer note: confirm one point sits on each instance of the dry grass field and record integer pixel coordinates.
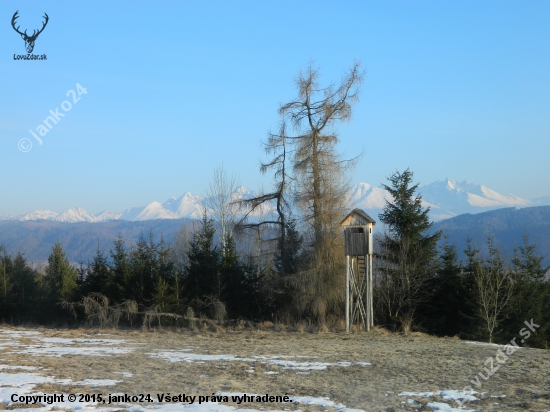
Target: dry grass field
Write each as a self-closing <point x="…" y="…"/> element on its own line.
<point x="320" y="371"/>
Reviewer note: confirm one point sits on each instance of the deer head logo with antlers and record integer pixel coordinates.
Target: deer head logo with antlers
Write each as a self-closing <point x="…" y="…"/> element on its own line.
<point x="29" y="40"/>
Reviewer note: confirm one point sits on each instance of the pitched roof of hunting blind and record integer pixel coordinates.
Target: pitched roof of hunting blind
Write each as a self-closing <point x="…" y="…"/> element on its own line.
<point x="357" y="217"/>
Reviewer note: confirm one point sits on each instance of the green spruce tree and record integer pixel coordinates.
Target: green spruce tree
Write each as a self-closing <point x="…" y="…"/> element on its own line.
<point x="61" y="277"/>
<point x="202" y="280"/>
<point x="408" y="252"/>
<point x="120" y="271"/>
<point x="98" y="276"/>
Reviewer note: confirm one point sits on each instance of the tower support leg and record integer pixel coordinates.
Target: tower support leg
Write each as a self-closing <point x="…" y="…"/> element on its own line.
<point x="347" y="293"/>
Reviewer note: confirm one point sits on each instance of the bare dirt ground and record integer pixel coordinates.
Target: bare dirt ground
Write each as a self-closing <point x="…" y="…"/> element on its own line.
<point x="398" y="363"/>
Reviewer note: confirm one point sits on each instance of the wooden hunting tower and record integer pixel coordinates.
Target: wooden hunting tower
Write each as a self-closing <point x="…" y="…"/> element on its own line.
<point x="358" y="249"/>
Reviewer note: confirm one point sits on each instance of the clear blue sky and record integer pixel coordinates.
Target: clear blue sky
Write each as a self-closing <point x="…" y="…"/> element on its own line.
<point x="457" y="89"/>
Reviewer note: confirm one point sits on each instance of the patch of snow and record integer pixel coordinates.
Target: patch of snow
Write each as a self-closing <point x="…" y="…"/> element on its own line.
<point x="455" y="395"/>
<point x="25" y="368"/>
<point x="178" y="356"/>
<point x="57" y="340"/>
<point x="440" y="406"/>
<point x="173" y="356"/>
<point x="57" y="351"/>
<point x="96" y="382"/>
<point x="19" y="333"/>
<point x="125" y="374"/>
<point x="104" y="341"/>
<point x="420" y="394"/>
<point x="447" y="395"/>
<point x="279" y="357"/>
<point x="306" y="365"/>
<point x="7" y="392"/>
<point x="19" y="379"/>
<point x="496" y="345"/>
<point x="309" y="400"/>
<point x="86" y="341"/>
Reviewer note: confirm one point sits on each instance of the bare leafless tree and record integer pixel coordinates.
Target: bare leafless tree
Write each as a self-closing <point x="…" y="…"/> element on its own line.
<point x="321" y="183"/>
<point x="220" y="202"/>
<point x="276" y="146"/>
<point x="316" y="182"/>
<point x="494" y="287"/>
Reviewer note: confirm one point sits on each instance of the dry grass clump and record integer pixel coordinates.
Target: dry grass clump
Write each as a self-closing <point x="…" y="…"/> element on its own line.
<point x="98" y="312"/>
<point x="266" y="325"/>
<point x="378" y="330"/>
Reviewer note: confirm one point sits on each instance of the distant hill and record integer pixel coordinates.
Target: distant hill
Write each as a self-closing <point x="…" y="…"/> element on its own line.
<point x="507" y="226"/>
<point x="80" y="240"/>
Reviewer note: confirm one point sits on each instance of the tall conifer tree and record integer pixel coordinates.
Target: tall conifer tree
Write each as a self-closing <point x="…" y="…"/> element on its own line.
<point x="408" y="251"/>
<point x="61" y="277"/>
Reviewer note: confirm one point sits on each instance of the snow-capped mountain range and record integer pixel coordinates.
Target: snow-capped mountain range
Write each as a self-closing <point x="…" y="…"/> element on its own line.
<point x="186" y="206"/>
<point x="445" y="198"/>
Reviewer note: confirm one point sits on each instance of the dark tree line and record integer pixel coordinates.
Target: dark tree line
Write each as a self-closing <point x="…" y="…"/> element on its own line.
<point x="214" y="281"/>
